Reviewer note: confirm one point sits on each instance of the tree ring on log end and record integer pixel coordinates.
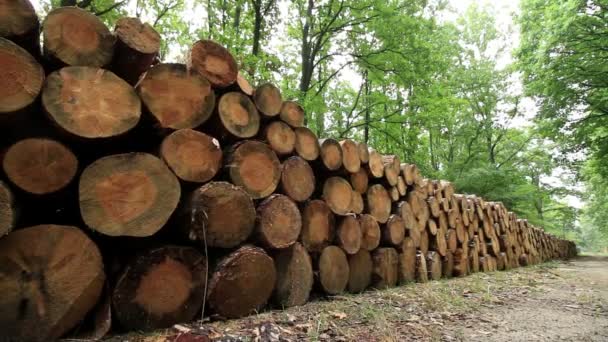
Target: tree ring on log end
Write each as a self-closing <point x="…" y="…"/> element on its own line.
<point x="21" y="77"/>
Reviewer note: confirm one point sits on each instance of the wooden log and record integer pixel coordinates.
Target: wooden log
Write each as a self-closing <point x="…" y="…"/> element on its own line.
<point x="330" y="154"/>
<point x="378" y="203"/>
<point x="432" y="227"/>
<point x="401" y="186"/>
<point x="280" y="138"/>
<point x="438" y="243"/>
<point x="350" y="155"/>
<point x="375" y="167"/>
<point x="191" y="155"/>
<point x="424" y="242"/>
<point x="393" y="232"/>
<point x="447" y="265"/>
<point x="176" y="97"/>
<point x="76" y="37"/>
<point x="8" y="210"/>
<point x="356" y="203"/>
<point x="407" y="261"/>
<point x="363" y="152"/>
<point x="21" y="77"/>
<point x="333" y="270"/>
<point x="292" y="113"/>
<point x="370" y="232"/>
<point x="394" y="193"/>
<point x="409" y="221"/>
<point x="218" y="213"/>
<point x="268" y="100"/>
<point x="461" y="263"/>
<point x="48" y="284"/>
<point x="452" y="240"/>
<point x="294" y="276"/>
<point x="131" y="194"/>
<point x="433" y="265"/>
<point x="279" y="222"/>
<point x="137" y="47"/>
<point x="214" y="62"/>
<point x="90" y="103"/>
<point x="385" y="273"/>
<point x="39" y="166"/>
<point x="337" y="193"/>
<point x="348" y="234"/>
<point x="297" y="179"/>
<point x="392" y="168"/>
<point x="307" y="144"/>
<point x="19" y="24"/>
<point x="238" y="115"/>
<point x="359" y="181"/>
<point x="318" y="226"/>
<point x="253" y="166"/>
<point x="242" y="283"/>
<point x="421" y="269"/>
<point x="160" y="287"/>
<point x="243" y="85"/>
<point x="360" y="267"/>
<point x="433" y="206"/>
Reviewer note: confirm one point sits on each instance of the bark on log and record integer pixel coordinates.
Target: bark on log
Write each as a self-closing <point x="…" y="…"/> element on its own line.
<point x="318" y="226"/>
<point x="76" y="37"/>
<point x="307" y="144"/>
<point x="433" y="265"/>
<point x="238" y="115"/>
<point x="278" y="222"/>
<point x="386" y="268"/>
<point x="337" y="193"/>
<point x="407" y="261"/>
<point x="191" y="155"/>
<point x="21" y="79"/>
<point x="160" y="287"/>
<point x="330" y="154"/>
<point x="297" y="179"/>
<point x="294" y="276"/>
<point x="348" y="234"/>
<point x="176" y="97"/>
<point x="334" y="271"/>
<point x="393" y="232"/>
<point x="39" y="166"/>
<point x="214" y="62"/>
<point x="360" y="271"/>
<point x="378" y="203"/>
<point x="242" y="283"/>
<point x="280" y="137"/>
<point x="48" y="284"/>
<point x="219" y="213"/>
<point x="255" y="167"/>
<point x="268" y="100"/>
<point x="292" y="113"/>
<point x="370" y="232"/>
<point x="19" y="24"/>
<point x="359" y="181"/>
<point x="350" y="156"/>
<point x="137" y="46"/>
<point x="131" y="194"/>
<point x="8" y="210"/>
<point x="90" y="102"/>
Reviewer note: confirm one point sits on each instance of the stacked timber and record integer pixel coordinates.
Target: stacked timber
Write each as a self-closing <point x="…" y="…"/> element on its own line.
<point x="167" y="190"/>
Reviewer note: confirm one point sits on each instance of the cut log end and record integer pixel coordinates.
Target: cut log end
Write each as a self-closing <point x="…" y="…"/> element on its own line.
<point x="375" y="166"/>
<point x="363" y="152"/>
<point x="356" y="203"/>
<point x="74" y="96"/>
<point x="334" y="271"/>
<point x="407" y="261"/>
<point x="39" y="166"/>
<point x="292" y="113"/>
<point x="176" y="97"/>
<point x="359" y="181"/>
<point x="244" y="84"/>
<point x="294" y="276"/>
<point x="43" y="262"/>
<point x="137" y="46"/>
<point x="393" y="232"/>
<point x="21" y="77"/>
<point x="20" y="24"/>
<point x="360" y="271"/>
<point x="331" y="154"/>
<point x="242" y="283"/>
<point x="337" y="193"/>
<point x="193" y="156"/>
<point x="370" y="232"/>
<point x="76" y="37"/>
<point x="8" y="212"/>
<point x="386" y="270"/>
<point x="348" y="234"/>
<point x="280" y="137"/>
<point x="433" y="265"/>
<point x="379" y="203"/>
<point x="297" y="179"/>
<point x="307" y="144"/>
<point x="268" y="99"/>
<point x="318" y="228"/>
<point x="131" y="194"/>
<point x="350" y="156"/>
<point x="278" y="222"/>
<point x="239" y="115"/>
<point x="255" y="167"/>
<point x="160" y="288"/>
<point x="214" y="62"/>
<point x="219" y="213"/>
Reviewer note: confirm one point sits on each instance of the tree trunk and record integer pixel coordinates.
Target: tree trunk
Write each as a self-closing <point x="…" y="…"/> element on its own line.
<point x="137" y="47"/>
<point x="294" y="276"/>
<point x="214" y="62"/>
<point x="131" y="194"/>
<point x="278" y="222"/>
<point x="191" y="155"/>
<point x="333" y="270"/>
<point x="360" y="275"/>
<point x="386" y="268"/>
<point x="318" y="226"/>
<point x="253" y="166"/>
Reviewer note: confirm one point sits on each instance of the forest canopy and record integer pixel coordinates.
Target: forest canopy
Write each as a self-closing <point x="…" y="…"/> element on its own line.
<point x="406" y="78"/>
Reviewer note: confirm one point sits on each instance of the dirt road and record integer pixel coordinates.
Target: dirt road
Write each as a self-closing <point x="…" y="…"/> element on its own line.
<point x="558" y="301"/>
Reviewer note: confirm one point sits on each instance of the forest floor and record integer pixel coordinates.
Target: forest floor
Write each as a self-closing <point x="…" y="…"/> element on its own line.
<point x="556" y="301"/>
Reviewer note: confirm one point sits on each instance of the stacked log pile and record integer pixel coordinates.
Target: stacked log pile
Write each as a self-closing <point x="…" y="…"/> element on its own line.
<point x="164" y="190"/>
